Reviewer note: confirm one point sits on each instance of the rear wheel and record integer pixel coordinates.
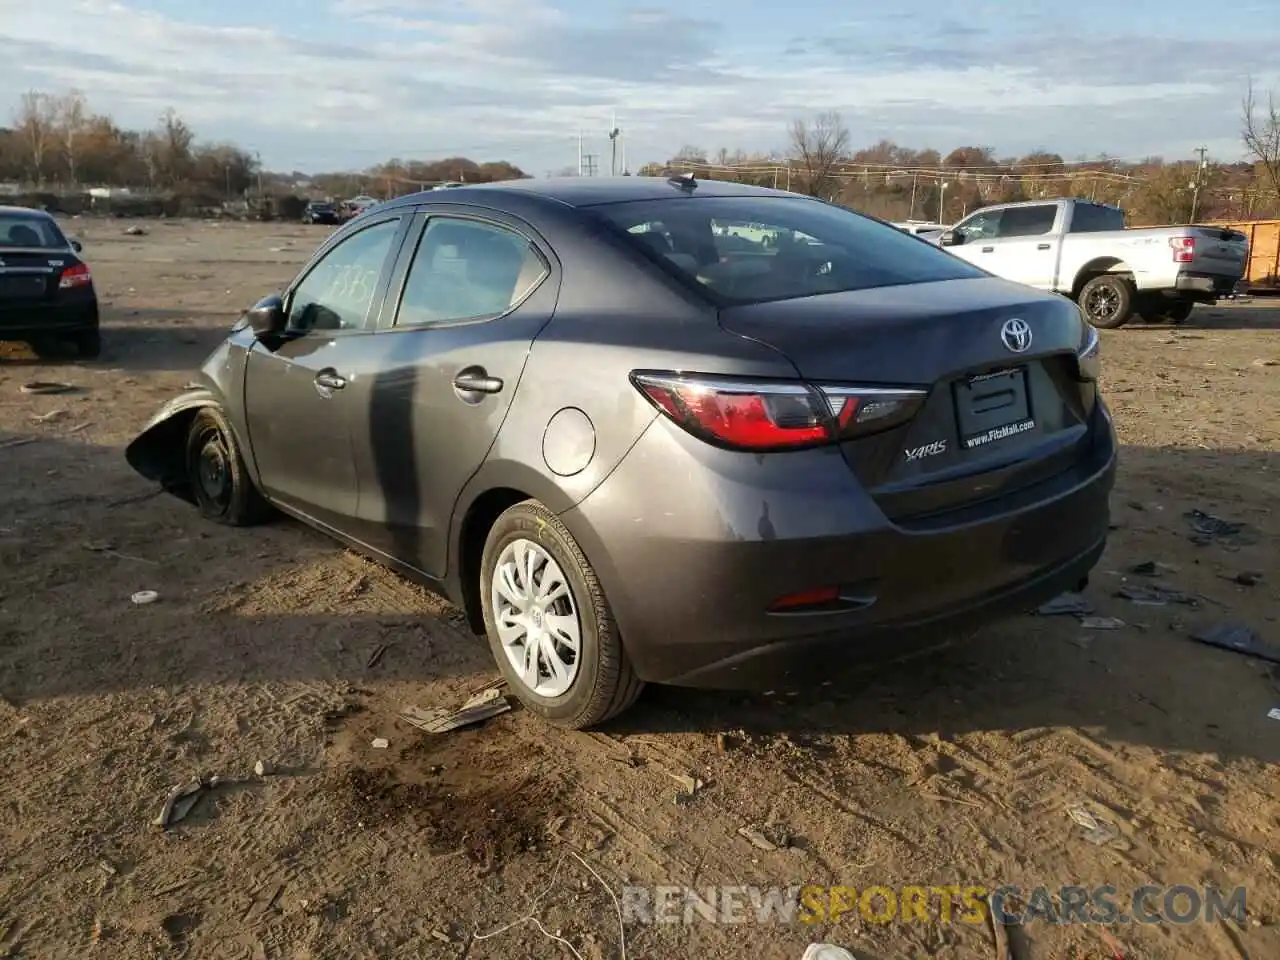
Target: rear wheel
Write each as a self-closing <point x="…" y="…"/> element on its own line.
<point x="1107" y="301"/>
<point x="549" y="625"/>
<point x="220" y="481"/>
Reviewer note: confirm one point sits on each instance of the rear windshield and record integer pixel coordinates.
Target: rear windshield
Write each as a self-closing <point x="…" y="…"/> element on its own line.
<point x="22" y="230"/>
<point x="755" y="249"/>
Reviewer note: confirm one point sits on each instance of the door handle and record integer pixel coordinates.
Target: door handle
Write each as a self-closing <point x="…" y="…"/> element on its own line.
<point x="1043" y="246"/>
<point x="327" y="381"/>
<point x="987" y="249"/>
<point x="476" y="380"/>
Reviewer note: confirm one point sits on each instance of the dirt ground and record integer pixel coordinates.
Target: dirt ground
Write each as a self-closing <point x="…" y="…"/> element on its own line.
<point x="276" y="645"/>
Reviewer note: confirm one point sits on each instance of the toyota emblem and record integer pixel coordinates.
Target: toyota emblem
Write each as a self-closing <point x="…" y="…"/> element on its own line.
<point x="1016" y="335"/>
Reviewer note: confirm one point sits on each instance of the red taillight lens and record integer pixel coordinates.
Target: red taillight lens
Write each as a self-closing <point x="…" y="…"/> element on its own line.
<point x="751" y="414"/>
<point x="1184" y="249"/>
<point x="76" y="276"/>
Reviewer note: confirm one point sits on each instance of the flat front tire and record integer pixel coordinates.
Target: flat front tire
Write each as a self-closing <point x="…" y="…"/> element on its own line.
<point x="220" y="481"/>
<point x="549" y="624"/>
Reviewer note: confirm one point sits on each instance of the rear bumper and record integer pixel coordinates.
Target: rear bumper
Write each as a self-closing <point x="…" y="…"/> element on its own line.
<point x="18" y="320"/>
<point x="1206" y="286"/>
<point x="693" y="544"/>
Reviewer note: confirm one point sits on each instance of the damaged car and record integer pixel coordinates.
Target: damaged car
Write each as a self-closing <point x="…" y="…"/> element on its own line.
<point x="670" y="431"/>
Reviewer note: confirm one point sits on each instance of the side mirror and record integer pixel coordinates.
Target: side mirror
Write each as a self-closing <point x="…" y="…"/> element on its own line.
<point x="266" y="317"/>
<point x="952" y="238"/>
<point x="77" y="246"/>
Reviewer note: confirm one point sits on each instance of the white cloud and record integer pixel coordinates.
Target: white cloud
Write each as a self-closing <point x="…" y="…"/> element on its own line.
<point x="517" y="80"/>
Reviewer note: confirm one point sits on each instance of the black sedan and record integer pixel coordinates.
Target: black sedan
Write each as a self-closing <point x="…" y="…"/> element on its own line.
<point x="46" y="290"/>
<point x="668" y="431"/>
<point x="321" y="212"/>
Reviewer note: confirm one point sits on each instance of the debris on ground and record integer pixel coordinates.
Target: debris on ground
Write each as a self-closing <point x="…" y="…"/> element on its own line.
<point x="1072" y="604"/>
<point x="1096" y="831"/>
<point x="1150" y="596"/>
<point x="263" y="769"/>
<point x="109" y="548"/>
<point x="46" y="387"/>
<point x="1237" y="637"/>
<point x="182" y="799"/>
<point x="1101" y="623"/>
<point x="1152" y="568"/>
<point x="143" y="597"/>
<point x="380" y="743"/>
<point x="485" y="704"/>
<point x="135" y="231"/>
<point x="1273" y="713"/>
<point x="376" y="656"/>
<point x="1246" y="578"/>
<point x="17" y="442"/>
<point x="756" y="838"/>
<point x="1206" y="529"/>
<point x="49" y="417"/>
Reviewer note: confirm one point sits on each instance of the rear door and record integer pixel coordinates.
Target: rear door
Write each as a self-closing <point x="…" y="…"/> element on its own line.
<point x="299" y="398"/>
<point x="471" y="291"/>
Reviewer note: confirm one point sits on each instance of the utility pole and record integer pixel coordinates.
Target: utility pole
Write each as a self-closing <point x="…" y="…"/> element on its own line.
<point x="1195" y="187"/>
<point x="589" y="164"/>
<point x="579" y="153"/>
<point x="613" y="146"/>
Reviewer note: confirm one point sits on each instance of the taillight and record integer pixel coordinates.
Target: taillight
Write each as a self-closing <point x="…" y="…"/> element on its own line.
<point x="750" y="414"/>
<point x="75" y="276"/>
<point x="1184" y="249"/>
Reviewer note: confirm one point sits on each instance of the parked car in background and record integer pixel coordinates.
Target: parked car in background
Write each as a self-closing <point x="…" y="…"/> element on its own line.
<point x="635" y="442"/>
<point x="321" y="211"/>
<point x="46" y="289"/>
<point x="920" y="227"/>
<point x="1082" y="249"/>
<point x="350" y="209"/>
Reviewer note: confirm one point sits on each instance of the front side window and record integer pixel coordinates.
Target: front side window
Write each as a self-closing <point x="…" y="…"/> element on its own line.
<point x="337" y="292"/>
<point x="757" y="249"/>
<point x="981" y="226"/>
<point x="467" y="270"/>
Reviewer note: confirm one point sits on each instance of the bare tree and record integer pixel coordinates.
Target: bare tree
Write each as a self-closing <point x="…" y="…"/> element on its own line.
<point x="72" y="119"/>
<point x="820" y="146"/>
<point x="1261" y="135"/>
<point x="36" y="123"/>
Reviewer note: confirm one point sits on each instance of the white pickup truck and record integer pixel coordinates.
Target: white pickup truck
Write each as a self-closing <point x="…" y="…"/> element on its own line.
<point x="1081" y="249"/>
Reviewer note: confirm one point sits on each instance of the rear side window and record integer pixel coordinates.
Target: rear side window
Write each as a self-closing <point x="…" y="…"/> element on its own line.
<point x="37" y="233"/>
<point x="467" y="270"/>
<point x="1034" y="221"/>
<point x="756" y="249"/>
<point x="1095" y="218"/>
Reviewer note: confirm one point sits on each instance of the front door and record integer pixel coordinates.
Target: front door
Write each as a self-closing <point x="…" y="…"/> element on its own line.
<point x="468" y="298"/>
<point x="298" y="406"/>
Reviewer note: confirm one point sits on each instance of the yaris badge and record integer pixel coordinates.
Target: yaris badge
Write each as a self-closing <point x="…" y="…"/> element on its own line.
<point x="1016" y="335"/>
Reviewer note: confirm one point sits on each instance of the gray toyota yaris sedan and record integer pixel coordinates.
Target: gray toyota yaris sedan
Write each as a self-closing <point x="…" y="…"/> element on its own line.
<point x="675" y="431"/>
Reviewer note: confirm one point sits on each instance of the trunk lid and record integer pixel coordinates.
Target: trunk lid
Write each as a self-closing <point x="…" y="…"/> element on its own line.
<point x="30" y="276"/>
<point x="995" y="419"/>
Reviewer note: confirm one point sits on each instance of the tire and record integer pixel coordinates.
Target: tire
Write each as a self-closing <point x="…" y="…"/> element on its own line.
<point x="1113" y="291"/>
<point x="231" y="498"/>
<point x="601" y="682"/>
<point x="89" y="344"/>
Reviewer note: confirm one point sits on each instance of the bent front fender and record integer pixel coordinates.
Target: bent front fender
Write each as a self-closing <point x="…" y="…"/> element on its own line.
<point x="158" y="452"/>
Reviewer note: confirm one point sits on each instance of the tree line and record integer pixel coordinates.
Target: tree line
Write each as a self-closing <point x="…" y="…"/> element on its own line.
<point x="59" y="145"/>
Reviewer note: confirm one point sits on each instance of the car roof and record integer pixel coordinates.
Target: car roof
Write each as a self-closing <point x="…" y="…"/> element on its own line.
<point x="593" y="191"/>
<point x="25" y="212"/>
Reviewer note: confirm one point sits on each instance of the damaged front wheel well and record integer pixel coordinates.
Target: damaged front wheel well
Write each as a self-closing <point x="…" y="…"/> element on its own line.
<point x="160" y="453"/>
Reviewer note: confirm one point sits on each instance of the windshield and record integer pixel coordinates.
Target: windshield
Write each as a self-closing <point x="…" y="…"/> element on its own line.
<point x="33" y="233"/>
<point x="755" y="249"/>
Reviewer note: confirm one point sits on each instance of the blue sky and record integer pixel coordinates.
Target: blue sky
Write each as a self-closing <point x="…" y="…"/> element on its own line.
<point x="346" y="83"/>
